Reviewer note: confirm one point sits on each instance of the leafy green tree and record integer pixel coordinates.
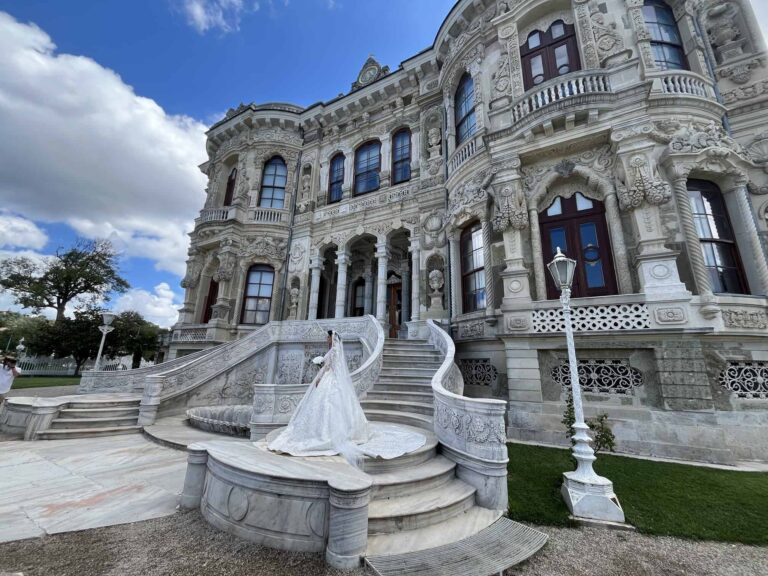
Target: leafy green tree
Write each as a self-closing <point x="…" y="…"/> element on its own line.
<point x="87" y="270"/>
<point x="133" y="336"/>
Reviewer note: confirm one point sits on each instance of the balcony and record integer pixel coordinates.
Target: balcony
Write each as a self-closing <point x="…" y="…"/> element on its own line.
<point x="464" y="152"/>
<point x="572" y="87"/>
<point x="268" y="216"/>
<point x="214" y="215"/>
<point x="191" y="333"/>
<point x="682" y="83"/>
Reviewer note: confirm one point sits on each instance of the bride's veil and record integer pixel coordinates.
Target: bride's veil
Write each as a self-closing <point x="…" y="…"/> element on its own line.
<point x="346" y="448"/>
<point x="339" y="363"/>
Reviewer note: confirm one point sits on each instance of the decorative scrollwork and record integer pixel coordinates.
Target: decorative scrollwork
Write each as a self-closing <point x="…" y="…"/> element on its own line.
<point x="747" y="380"/>
<point x="615" y="377"/>
<point x="478" y="371"/>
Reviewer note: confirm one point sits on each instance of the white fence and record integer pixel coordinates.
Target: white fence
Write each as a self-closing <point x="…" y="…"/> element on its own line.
<point x="47" y="366"/>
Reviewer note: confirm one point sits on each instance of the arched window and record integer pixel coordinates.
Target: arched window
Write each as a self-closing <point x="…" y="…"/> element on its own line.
<point x="257" y="300"/>
<point x="718" y="245"/>
<point x="472" y="269"/>
<point x="464" y="109"/>
<point x="230" y="193"/>
<point x="367" y="167"/>
<point x="577" y="226"/>
<point x="549" y="54"/>
<point x="666" y="42"/>
<point x="336" y="178"/>
<point x="273" y="184"/>
<point x="401" y="156"/>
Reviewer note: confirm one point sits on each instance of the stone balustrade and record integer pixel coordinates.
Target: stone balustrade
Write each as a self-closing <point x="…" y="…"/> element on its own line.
<point x="560" y="89"/>
<point x="681" y="82"/>
<point x="269" y="216"/>
<point x="213" y="215"/>
<point x="464" y="152"/>
<point x="471" y="431"/>
<point x="191" y="333"/>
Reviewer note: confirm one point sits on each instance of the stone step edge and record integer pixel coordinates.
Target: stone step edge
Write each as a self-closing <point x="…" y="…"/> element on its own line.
<point x="89" y="431"/>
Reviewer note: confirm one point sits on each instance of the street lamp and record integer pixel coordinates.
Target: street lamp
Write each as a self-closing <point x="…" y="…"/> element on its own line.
<point x="586" y="494"/>
<point x="106" y="328"/>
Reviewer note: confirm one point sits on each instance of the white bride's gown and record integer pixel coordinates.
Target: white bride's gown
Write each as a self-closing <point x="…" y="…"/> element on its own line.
<point x="329" y="419"/>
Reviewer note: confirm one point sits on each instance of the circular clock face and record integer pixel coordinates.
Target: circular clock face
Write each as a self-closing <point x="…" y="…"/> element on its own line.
<point x="368" y="75"/>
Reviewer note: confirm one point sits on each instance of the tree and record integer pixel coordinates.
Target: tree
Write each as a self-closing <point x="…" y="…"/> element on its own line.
<point x="89" y="269"/>
<point x="133" y="335"/>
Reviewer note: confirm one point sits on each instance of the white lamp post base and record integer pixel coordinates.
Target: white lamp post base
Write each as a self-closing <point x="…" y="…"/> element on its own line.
<point x="593" y="499"/>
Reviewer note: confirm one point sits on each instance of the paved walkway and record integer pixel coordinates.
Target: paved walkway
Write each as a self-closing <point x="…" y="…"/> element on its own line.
<point x="57" y="486"/>
<point x="43" y="391"/>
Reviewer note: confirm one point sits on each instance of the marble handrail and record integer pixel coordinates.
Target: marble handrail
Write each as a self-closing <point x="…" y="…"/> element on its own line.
<point x="471" y="430"/>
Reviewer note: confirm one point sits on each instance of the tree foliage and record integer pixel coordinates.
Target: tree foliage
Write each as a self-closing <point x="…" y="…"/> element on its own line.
<point x="603" y="438"/>
<point x="88" y="270"/>
<point x="133" y="336"/>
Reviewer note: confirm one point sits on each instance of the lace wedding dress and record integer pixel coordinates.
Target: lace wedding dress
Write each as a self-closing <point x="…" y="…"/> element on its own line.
<point x="329" y="420"/>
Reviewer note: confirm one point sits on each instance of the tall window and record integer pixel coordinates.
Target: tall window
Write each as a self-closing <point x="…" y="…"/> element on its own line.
<point x="258" y="295"/>
<point x="273" y="184"/>
<point x="358" y="297"/>
<point x="666" y="43"/>
<point x="336" y="178"/>
<point x="464" y="109"/>
<point x="230" y="193"/>
<point x="210" y="300"/>
<point x="721" y="256"/>
<point x="472" y="269"/>
<point x="367" y="167"/>
<point x="577" y="226"/>
<point x="401" y="156"/>
<point x="549" y="54"/>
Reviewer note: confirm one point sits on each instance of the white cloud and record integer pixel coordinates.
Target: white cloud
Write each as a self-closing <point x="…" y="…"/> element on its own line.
<point x="18" y="232"/>
<point x="160" y="306"/>
<point x="222" y="15"/>
<point x="78" y="145"/>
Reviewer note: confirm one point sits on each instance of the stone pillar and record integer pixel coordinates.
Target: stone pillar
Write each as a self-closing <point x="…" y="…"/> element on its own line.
<point x="619" y="247"/>
<point x="747" y="218"/>
<point x="382" y="255"/>
<point x="490" y="296"/>
<point x="538" y="256"/>
<point x="455" y="270"/>
<point x="405" y="310"/>
<point x="415" y="280"/>
<point x="695" y="257"/>
<point x="39" y="420"/>
<point x="347" y="527"/>
<point x="368" y="277"/>
<point x="450" y="127"/>
<point x="194" y="481"/>
<point x="341" y="283"/>
<point x="316" y="266"/>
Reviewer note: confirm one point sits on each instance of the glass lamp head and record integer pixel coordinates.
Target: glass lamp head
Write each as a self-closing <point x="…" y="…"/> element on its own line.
<point x="562" y="269"/>
<point x="108" y="317"/>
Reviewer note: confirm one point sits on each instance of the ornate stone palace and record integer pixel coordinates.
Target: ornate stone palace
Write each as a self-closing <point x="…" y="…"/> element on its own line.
<point x="630" y="133"/>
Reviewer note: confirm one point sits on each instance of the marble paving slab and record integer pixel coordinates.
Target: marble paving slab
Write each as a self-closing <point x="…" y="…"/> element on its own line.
<point x="56" y="486"/>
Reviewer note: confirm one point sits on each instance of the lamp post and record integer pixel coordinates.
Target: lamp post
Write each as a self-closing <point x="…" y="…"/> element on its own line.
<point x="106" y="328"/>
<point x="586" y="494"/>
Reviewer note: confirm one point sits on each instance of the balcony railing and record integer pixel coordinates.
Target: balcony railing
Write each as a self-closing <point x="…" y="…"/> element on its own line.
<point x="572" y="86"/>
<point x="681" y="82"/>
<point x="197" y="333"/>
<point x="464" y="152"/>
<point x="213" y="215"/>
<point x="269" y="216"/>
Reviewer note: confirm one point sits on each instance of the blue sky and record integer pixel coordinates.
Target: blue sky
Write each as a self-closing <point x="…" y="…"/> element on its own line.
<point x="103" y="106"/>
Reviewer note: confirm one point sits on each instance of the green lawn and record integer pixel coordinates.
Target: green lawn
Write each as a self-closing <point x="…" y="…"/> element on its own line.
<point x="41" y="381"/>
<point x="658" y="498"/>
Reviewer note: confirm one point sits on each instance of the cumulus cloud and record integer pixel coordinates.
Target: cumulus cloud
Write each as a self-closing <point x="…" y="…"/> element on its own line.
<point x="18" y="232"/>
<point x="221" y="15"/>
<point x="78" y="145"/>
<point x="159" y="306"/>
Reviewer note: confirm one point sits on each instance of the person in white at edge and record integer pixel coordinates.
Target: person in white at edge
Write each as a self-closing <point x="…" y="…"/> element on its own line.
<point x="8" y="372"/>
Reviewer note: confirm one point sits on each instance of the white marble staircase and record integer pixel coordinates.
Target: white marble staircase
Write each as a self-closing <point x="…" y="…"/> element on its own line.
<point x="403" y="393"/>
<point x="89" y="417"/>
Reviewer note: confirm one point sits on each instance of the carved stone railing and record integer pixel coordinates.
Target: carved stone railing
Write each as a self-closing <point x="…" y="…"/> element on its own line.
<point x="464" y="152"/>
<point x="273" y="403"/>
<point x="213" y="215"/>
<point x="547" y="316"/>
<point x="471" y="430"/>
<point x="269" y="216"/>
<point x="94" y="381"/>
<point x="173" y="386"/>
<point x="681" y="82"/>
<point x="191" y="333"/>
<point x="570" y="86"/>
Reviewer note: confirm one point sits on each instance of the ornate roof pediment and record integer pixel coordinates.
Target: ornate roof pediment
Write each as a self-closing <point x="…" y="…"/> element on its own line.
<point x="369" y="73"/>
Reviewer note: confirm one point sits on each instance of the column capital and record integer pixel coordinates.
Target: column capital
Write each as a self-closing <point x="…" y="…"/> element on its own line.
<point x="316" y="262"/>
<point x="415" y="245"/>
<point x="342" y="258"/>
<point x="382" y="250"/>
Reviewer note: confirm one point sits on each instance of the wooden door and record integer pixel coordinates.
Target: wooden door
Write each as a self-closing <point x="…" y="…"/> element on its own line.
<point x="394" y="307"/>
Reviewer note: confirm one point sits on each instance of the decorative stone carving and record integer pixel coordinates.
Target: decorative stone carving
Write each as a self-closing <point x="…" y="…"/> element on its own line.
<point x="261" y="246"/>
<point x="434" y="140"/>
<point x="643" y="185"/>
<point x="509" y="208"/>
<point x="723" y="24"/>
<point x="741" y="72"/>
<point x="670" y="315"/>
<point x="758" y="149"/>
<point x="470" y="194"/>
<point x="227" y="265"/>
<point x="746" y="93"/>
<point x="600" y="159"/>
<point x="748" y="380"/>
<point x="473" y="329"/>
<point x="298" y="258"/>
<point x="478" y="371"/>
<point x="614" y="377"/>
<point x="192" y="277"/>
<point x="436" y="283"/>
<point x="294" y="293"/>
<point x="749" y="319"/>
<point x="609" y="41"/>
<point x="699" y="136"/>
<point x="586" y="35"/>
<point x="500" y="79"/>
<point x="594" y="318"/>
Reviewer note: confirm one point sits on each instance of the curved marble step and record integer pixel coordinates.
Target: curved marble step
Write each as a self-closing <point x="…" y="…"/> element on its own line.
<point x="395" y="405"/>
<point x="429" y="475"/>
<point x="421" y="509"/>
<point x="397" y="396"/>
<point x="115" y="412"/>
<point x="400" y="386"/>
<point x="69" y="433"/>
<point x="501" y="545"/>
<point x="412" y="373"/>
<point x="106" y="403"/>
<point x="407" y="418"/>
<point x="378" y="466"/>
<point x="76" y="423"/>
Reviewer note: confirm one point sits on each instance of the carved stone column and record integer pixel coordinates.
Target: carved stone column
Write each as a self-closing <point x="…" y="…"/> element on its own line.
<point x="490" y="296"/>
<point x="642" y="37"/>
<point x="347" y="526"/>
<point x="695" y="256"/>
<point x="450" y="128"/>
<point x="586" y="36"/>
<point x="342" y="261"/>
<point x="368" y="293"/>
<point x="194" y="481"/>
<point x="382" y="256"/>
<point x="453" y="243"/>
<point x="415" y="280"/>
<point x="619" y="247"/>
<point x="405" y="304"/>
<point x="747" y="219"/>
<point x="316" y="266"/>
<point x="538" y="257"/>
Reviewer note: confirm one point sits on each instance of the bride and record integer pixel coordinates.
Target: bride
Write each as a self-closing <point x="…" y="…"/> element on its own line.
<point x="329" y="419"/>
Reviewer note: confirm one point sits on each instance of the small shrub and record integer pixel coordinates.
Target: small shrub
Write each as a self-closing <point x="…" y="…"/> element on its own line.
<point x="602" y="436"/>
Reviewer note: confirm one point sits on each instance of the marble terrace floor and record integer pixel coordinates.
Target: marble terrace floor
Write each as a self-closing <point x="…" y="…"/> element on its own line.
<point x="57" y="486"/>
